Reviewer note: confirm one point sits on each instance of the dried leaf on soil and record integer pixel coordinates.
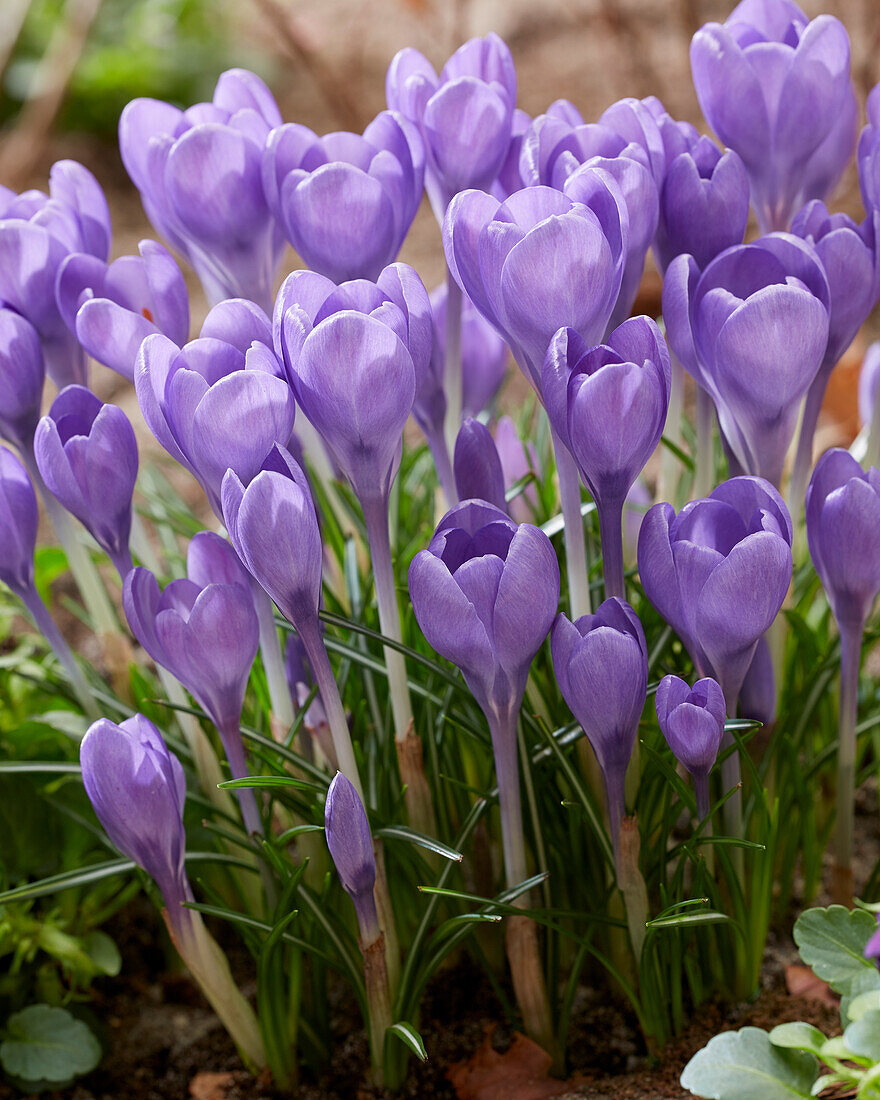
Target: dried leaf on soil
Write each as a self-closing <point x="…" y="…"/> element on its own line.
<point x="520" y="1073"/>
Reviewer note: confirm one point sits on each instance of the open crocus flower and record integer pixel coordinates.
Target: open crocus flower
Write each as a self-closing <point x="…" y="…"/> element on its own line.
<point x="752" y="329"/>
<point x="37" y="233"/>
<point x="22" y="375"/>
<point x="692" y="721"/>
<point x="773" y="86"/>
<point x="198" y="172"/>
<point x="718" y="573"/>
<point x="608" y="405"/>
<point x="87" y="455"/>
<point x="113" y="308"/>
<point x="540" y="261"/>
<point x="220" y="402"/>
<point x="346" y="202"/>
<point x="464" y="116"/>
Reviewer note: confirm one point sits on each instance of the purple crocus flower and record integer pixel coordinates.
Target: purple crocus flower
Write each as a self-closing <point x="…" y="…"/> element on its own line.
<point x="355" y="355"/>
<point x="718" y="573"/>
<point x="37" y="232"/>
<point x="137" y="789"/>
<point x="540" y="261"/>
<point x="843" y="530"/>
<point x="509" y="176"/>
<point x="477" y="467"/>
<point x="274" y="528"/>
<point x="869" y="381"/>
<point x="351" y="847"/>
<point x="872" y="947"/>
<point x="206" y="633"/>
<point x="18" y="525"/>
<point x="22" y="374"/>
<point x="87" y="455"/>
<point x="199" y="175"/>
<point x="464" y="116"/>
<point x="692" y="721"/>
<point x="757" y="698"/>
<point x="704" y="204"/>
<point x="112" y="308"/>
<point x="752" y="329"/>
<point x="220" y="402"/>
<point x="346" y="202"/>
<point x="868" y="156"/>
<point x="608" y="405"/>
<point x="773" y="86"/>
<point x="601" y="666"/>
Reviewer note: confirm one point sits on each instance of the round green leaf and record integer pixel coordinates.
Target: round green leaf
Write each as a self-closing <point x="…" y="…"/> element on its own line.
<point x="745" y="1065"/>
<point x="862" y="1036"/>
<point x="103" y="952"/>
<point x="48" y="1044"/>
<point x="832" y="943"/>
<point x="861" y="1004"/>
<point x="798" y="1036"/>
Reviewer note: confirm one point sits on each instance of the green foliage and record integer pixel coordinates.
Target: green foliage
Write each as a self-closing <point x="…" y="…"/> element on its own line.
<point x="752" y="1065"/>
<point x="47" y="1048"/>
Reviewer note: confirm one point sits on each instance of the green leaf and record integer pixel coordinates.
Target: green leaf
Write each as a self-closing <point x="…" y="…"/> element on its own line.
<point x="401" y="832"/>
<point x="798" y="1036"/>
<point x="48" y="1044"/>
<point x="745" y="1065"/>
<point x="409" y="1037"/>
<point x="859" y="1005"/>
<point x="268" y="781"/>
<point x="688" y="920"/>
<point x="103" y="952"/>
<point x="832" y="943"/>
<point x="862" y="1036"/>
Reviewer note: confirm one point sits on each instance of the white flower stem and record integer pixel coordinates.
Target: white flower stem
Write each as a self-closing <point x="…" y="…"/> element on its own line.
<point x="575" y="538"/>
<point x="452" y="374"/>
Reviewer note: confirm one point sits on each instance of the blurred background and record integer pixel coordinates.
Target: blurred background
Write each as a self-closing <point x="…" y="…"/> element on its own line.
<point x="68" y="67"/>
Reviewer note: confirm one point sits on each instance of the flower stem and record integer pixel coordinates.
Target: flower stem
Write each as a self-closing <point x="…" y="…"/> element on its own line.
<point x="230" y="736"/>
<point x="575" y="539"/>
<point x="670" y="473"/>
<point x="273" y="660"/>
<point x="850" y="657"/>
<point x="440" y="454"/>
<point x="611" y="532"/>
<point x="705" y="464"/>
<point x="872" y="452"/>
<point x="46" y="625"/>
<point x="452" y="378"/>
<point x="803" y="460"/>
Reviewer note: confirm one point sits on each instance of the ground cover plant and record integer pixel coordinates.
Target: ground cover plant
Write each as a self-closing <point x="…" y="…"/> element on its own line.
<point x="548" y="694"/>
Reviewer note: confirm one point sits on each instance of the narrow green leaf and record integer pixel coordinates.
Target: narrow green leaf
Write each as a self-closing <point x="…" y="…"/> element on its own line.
<point x="688" y="920"/>
<point x="408" y="1035"/>
<point x="401" y="832"/>
<point x="268" y="781"/>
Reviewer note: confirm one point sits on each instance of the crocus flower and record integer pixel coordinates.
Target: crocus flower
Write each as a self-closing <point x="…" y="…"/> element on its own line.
<point x="346" y="202"/>
<point x="718" y="573"/>
<point x="22" y="373"/>
<point x="704" y="204"/>
<point x="692" y="721"/>
<point x="518" y="459"/>
<point x="872" y="947"/>
<point x="477" y="467"/>
<point x="87" y="455"/>
<point x="773" y="86"/>
<point x="37" y="232"/>
<point x="351" y="846"/>
<point x="843" y="528"/>
<point x="752" y="329"/>
<point x="273" y="526"/>
<point x="509" y="176"/>
<point x="757" y="699"/>
<point x="608" y="405"/>
<point x="485" y="593"/>
<point x="540" y="261"/>
<point x="869" y="380"/>
<point x="601" y="666"/>
<point x="464" y="116"/>
<point x="220" y="401"/>
<point x="18" y="524"/>
<point x="137" y="788"/>
<point x="868" y="155"/>
<point x="112" y="308"/>
<point x="206" y="634"/>
<point x="199" y="175"/>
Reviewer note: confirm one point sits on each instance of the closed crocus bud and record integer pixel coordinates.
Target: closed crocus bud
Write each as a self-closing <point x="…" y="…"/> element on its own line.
<point x="526" y="263"/>
<point x="772" y="86"/>
<point x="843" y="531"/>
<point x="351" y="846"/>
<point x="509" y="176"/>
<point x="478" y="473"/>
<point x="464" y="116"/>
<point x="221" y="401"/>
<point x="636" y="122"/>
<point x="87" y="455"/>
<point x="355" y="355"/>
<point x="483" y="353"/>
<point x="601" y="666"/>
<point x="468" y="593"/>
<point x="346" y="202"/>
<point x="752" y="329"/>
<point x="113" y="308"/>
<point x="199" y="175"/>
<point x="704" y="204"/>
<point x="517" y="460"/>
<point x="18" y="524"/>
<point x="608" y="405"/>
<point x="137" y="789"/>
<point x="22" y="373"/>
<point x="37" y="233"/>
<point x="696" y="566"/>
<point x="692" y="721"/>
